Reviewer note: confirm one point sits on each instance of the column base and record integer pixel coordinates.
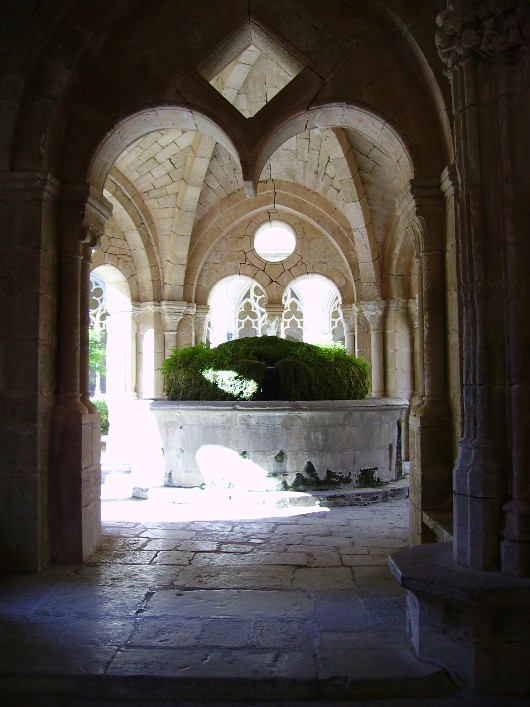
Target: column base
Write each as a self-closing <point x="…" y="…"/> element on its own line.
<point x="475" y="624"/>
<point x="75" y="488"/>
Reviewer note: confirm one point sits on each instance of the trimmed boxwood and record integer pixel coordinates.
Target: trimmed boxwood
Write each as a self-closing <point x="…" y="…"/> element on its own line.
<point x="265" y="368"/>
<point x="103" y="410"/>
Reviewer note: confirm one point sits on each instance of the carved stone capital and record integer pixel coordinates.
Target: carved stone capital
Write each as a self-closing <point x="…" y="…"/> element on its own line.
<point x="83" y="215"/>
<point x="97" y="213"/>
<point x="494" y="29"/>
<point x="348" y="314"/>
<point x="374" y="311"/>
<point x="172" y="313"/>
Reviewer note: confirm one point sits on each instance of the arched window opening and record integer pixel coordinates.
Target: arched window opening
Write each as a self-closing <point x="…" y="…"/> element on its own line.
<point x="311" y="311"/>
<point x="237" y="309"/>
<point x="318" y="301"/>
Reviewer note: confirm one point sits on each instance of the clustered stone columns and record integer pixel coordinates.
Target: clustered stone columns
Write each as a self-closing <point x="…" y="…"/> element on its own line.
<point x="486" y="51"/>
<point x="471" y="612"/>
<point x="75" y="476"/>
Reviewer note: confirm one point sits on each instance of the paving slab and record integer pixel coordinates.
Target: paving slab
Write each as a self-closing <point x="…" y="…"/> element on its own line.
<point x="263" y="610"/>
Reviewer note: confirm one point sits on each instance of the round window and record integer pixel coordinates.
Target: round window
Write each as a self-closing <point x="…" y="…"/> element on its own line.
<point x="274" y="241"/>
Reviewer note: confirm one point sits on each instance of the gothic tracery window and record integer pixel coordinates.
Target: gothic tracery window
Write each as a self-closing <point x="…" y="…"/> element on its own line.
<point x="251" y="315"/>
<point x="293" y="316"/>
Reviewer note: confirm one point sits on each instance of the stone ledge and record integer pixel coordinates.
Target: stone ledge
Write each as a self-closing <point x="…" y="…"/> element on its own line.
<point x="430" y="569"/>
<point x="474" y="624"/>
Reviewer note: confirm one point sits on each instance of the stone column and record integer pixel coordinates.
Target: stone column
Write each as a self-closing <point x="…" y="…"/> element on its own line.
<point x="186" y="330"/>
<point x="465" y="609"/>
<point x="431" y="453"/>
<point x="199" y="324"/>
<point x="151" y="347"/>
<point x="348" y="314"/>
<point x="486" y="52"/>
<point x="172" y="313"/>
<point x="75" y="476"/>
<point x="375" y="312"/>
<point x="136" y="363"/>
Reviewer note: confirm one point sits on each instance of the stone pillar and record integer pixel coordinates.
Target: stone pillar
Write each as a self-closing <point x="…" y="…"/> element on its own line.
<point x="466" y="611"/>
<point x="186" y="330"/>
<point x="28" y="370"/>
<point x="199" y="323"/>
<point x="151" y="348"/>
<point x="136" y="363"/>
<point x="375" y="312"/>
<point x="172" y="313"/>
<point x="348" y="314"/>
<point x="430" y="428"/>
<point x="486" y="52"/>
<point x="75" y="476"/>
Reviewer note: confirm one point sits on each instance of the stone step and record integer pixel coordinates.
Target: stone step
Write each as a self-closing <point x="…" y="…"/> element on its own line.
<point x="393" y="676"/>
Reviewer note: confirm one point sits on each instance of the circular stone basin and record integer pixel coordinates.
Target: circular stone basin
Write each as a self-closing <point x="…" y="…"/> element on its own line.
<point x="264" y="445"/>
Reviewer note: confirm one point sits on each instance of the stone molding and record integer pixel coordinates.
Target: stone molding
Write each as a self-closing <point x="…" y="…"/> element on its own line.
<point x="348" y="314"/>
<point x="26" y="185"/>
<point x="495" y="30"/>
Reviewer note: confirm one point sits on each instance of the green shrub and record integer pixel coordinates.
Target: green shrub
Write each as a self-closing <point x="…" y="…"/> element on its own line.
<point x="236" y="370"/>
<point x="103" y="410"/>
<point x="295" y="379"/>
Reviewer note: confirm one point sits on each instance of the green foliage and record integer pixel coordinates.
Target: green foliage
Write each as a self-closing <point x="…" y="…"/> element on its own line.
<point x="103" y="410"/>
<point x="96" y="351"/>
<point x="296" y="379"/>
<point x="236" y="370"/>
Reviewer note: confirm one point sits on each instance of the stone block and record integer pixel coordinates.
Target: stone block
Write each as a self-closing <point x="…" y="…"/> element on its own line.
<point x="474" y="624"/>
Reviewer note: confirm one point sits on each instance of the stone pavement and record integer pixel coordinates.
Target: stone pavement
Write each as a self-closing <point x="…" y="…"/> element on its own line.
<point x="214" y="604"/>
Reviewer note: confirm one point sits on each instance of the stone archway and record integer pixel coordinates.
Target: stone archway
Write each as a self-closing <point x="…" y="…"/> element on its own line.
<point x="319" y="98"/>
